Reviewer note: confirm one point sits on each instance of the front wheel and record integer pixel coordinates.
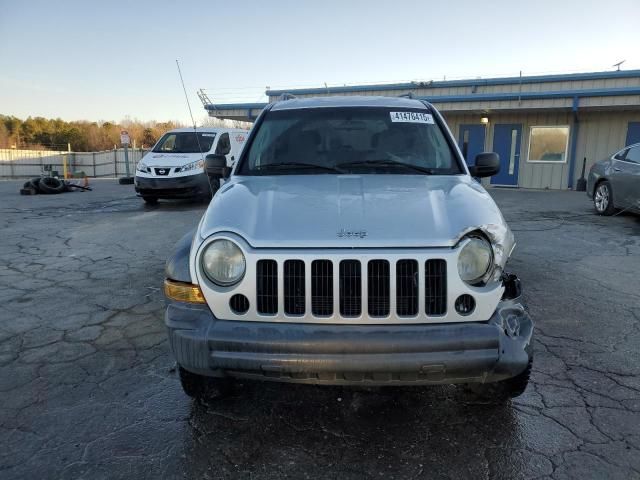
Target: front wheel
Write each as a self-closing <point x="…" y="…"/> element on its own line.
<point x="201" y="387"/>
<point x="603" y="199"/>
<point x="150" y="200"/>
<point x="501" y="392"/>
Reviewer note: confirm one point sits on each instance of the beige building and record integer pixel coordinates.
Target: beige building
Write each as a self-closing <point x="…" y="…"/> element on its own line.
<point x="542" y="126"/>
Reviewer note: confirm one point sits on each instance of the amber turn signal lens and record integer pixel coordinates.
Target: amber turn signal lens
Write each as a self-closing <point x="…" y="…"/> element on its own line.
<point x="183" y="292"/>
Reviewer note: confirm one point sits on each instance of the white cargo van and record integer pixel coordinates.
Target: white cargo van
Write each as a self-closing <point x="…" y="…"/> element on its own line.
<point x="174" y="168"/>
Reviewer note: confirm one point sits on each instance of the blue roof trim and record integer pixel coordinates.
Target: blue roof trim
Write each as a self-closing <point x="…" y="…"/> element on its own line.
<point x="460" y="83"/>
<point x="478" y="97"/>
<point x="487" y="97"/>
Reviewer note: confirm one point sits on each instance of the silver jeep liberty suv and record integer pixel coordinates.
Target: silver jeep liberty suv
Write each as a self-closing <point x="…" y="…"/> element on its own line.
<point x="350" y="245"/>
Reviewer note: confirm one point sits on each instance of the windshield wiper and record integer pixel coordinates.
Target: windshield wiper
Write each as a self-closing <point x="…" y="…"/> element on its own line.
<point x="297" y="165"/>
<point x="388" y="163"/>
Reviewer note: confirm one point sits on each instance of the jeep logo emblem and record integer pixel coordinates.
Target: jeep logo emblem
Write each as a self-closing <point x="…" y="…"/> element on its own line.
<point x="342" y="233"/>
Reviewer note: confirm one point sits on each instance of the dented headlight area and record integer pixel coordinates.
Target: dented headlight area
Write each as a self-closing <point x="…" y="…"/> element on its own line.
<point x="484" y="252"/>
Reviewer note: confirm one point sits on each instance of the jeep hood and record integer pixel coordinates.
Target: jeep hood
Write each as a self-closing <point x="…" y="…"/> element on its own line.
<point x="354" y="211"/>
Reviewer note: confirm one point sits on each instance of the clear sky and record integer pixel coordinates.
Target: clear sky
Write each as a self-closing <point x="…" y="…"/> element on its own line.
<point x="105" y="60"/>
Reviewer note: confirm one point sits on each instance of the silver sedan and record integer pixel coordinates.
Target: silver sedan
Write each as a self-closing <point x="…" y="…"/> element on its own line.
<point x="614" y="183"/>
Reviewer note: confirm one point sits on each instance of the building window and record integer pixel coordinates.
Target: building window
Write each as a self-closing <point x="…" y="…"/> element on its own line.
<point x="548" y="144"/>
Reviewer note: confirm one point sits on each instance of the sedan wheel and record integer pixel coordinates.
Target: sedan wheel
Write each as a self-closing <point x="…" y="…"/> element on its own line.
<point x="602" y="199"/>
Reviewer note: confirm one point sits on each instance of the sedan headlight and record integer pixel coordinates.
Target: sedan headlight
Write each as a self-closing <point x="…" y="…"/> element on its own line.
<point x="223" y="262"/>
<point x="197" y="165"/>
<point x="475" y="260"/>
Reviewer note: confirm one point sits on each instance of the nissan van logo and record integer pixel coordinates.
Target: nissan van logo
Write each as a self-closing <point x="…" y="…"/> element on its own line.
<point x="342" y="233"/>
<point x="161" y="171"/>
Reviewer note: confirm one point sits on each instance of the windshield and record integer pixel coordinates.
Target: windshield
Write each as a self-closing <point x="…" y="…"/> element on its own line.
<point x="349" y="140"/>
<point x="185" y="142"/>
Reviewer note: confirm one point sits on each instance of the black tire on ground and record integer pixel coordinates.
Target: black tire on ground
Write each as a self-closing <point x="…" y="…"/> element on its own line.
<point x="603" y="199"/>
<point x="501" y="392"/>
<point x="35" y="184"/>
<point x="150" y="200"/>
<point x="125" y="181"/>
<point x="51" y="185"/>
<point x="201" y="387"/>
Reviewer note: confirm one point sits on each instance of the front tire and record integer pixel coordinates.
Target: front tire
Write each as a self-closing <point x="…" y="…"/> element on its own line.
<point x="150" y="200"/>
<point x="503" y="391"/>
<point x="201" y="387"/>
<point x="603" y="199"/>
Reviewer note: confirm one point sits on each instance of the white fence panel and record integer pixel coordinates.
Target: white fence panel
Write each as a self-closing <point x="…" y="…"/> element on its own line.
<point x="30" y="163"/>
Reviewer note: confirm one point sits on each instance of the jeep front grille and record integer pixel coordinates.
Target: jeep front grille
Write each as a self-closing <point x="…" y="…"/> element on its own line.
<point x="435" y="280"/>
<point x="267" y="286"/>
<point x="322" y="288"/>
<point x="378" y="288"/>
<point x="294" y="287"/>
<point x="350" y="288"/>
<point x="356" y="290"/>
<point x="407" y="288"/>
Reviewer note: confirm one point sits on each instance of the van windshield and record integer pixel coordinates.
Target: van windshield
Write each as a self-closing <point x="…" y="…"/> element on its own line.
<point x="359" y="140"/>
<point x="185" y="142"/>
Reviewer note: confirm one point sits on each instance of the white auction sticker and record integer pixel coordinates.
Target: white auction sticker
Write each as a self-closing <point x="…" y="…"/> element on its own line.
<point x="208" y="134"/>
<point x="411" y="117"/>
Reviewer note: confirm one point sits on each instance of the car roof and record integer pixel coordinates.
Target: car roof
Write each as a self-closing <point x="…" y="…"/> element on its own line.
<point x="349" y="101"/>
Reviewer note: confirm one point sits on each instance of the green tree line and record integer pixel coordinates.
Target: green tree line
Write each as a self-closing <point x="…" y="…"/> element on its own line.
<point x="83" y="136"/>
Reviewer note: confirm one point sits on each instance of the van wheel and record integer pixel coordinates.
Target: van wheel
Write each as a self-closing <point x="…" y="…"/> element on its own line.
<point x="503" y="391"/>
<point x="150" y="200"/>
<point x="603" y="199"/>
<point x="201" y="387"/>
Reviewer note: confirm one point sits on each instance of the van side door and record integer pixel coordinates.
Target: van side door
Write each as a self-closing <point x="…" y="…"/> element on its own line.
<point x="238" y="140"/>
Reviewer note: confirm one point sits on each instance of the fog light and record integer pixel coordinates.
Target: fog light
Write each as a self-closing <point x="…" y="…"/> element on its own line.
<point x="183" y="292"/>
<point x="239" y="304"/>
<point x="465" y="304"/>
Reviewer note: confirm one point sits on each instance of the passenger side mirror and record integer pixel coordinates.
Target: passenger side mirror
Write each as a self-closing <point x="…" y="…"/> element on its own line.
<point x="216" y="166"/>
<point x="487" y="165"/>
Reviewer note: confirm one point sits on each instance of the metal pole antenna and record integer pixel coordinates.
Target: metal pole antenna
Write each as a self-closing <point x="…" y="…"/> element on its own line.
<point x="195" y="131"/>
<point x="189" y="106"/>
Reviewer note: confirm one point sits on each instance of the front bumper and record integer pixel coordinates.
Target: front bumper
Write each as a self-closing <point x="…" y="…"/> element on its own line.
<point x="475" y="352"/>
<point x="173" y="187"/>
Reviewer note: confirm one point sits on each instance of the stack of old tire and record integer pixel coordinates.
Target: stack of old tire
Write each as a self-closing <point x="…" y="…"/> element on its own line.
<point x="46" y="185"/>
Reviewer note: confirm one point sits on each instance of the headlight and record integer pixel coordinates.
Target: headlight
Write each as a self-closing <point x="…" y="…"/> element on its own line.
<point x="223" y="262"/>
<point x="475" y="260"/>
<point x="141" y="167"/>
<point x="193" y="166"/>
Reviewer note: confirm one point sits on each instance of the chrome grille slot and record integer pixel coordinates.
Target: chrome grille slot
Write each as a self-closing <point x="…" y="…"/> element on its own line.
<point x="378" y="288"/>
<point x="294" y="287"/>
<point x="435" y="280"/>
<point x="350" y="288"/>
<point x="322" y="288"/>
<point x="267" y="286"/>
<point x="407" y="288"/>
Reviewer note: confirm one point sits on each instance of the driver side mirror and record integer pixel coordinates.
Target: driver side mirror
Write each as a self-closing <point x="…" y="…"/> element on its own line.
<point x="215" y="166"/>
<point x="487" y="165"/>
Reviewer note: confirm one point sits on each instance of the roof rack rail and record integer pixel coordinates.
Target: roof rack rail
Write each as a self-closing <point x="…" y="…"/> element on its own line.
<point x="407" y="95"/>
<point x="287" y="96"/>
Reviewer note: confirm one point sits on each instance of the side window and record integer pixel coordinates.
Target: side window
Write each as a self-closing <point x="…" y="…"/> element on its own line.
<point x="633" y="154"/>
<point x="224" y="145"/>
<point x="621" y="154"/>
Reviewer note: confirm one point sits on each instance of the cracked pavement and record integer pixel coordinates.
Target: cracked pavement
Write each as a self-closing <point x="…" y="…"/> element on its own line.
<point x="88" y="387"/>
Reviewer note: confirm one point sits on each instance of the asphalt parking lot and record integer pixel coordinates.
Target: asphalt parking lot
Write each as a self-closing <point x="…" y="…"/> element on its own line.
<point x="88" y="387"/>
